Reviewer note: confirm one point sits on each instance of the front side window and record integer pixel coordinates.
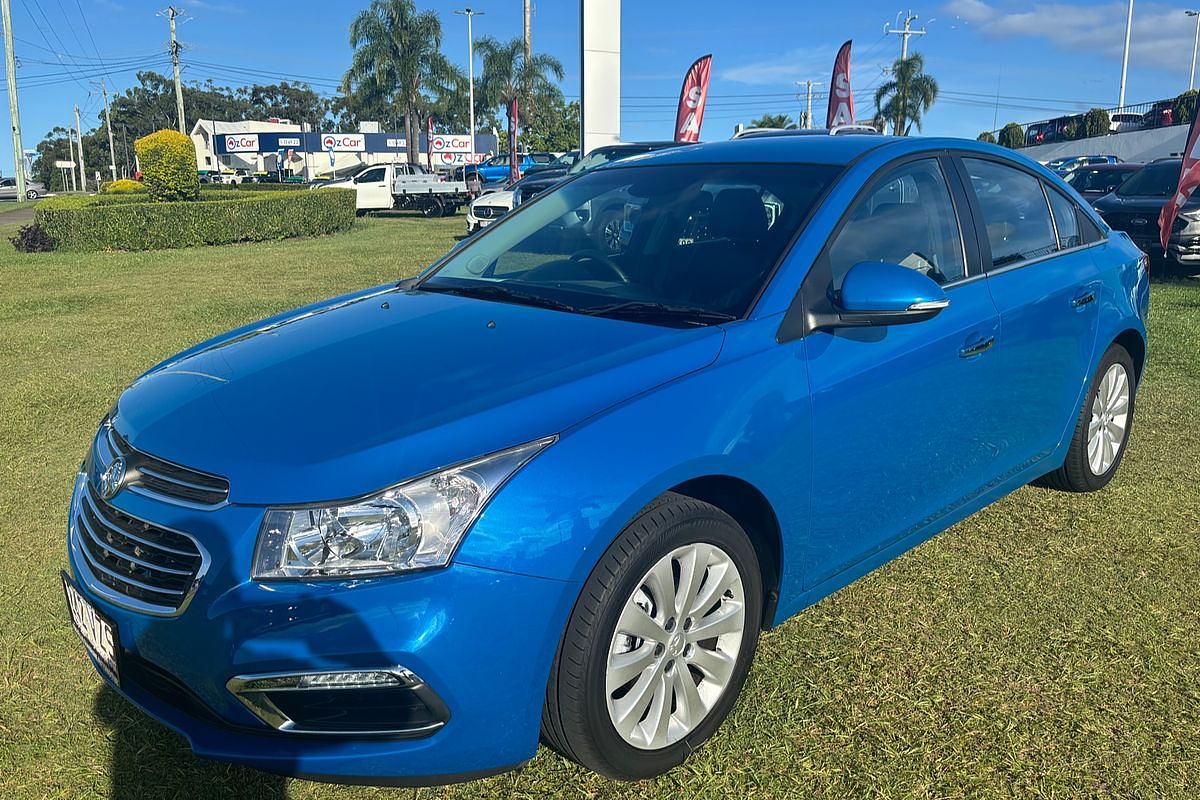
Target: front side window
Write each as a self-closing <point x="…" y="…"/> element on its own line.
<point x="372" y="175"/>
<point x="907" y="219"/>
<point x="1015" y="211"/>
<point x="677" y="244"/>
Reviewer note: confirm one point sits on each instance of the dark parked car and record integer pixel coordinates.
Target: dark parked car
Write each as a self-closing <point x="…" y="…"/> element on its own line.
<point x="597" y="157"/>
<point x="1134" y="208"/>
<point x="1054" y="130"/>
<point x="1160" y="115"/>
<point x="1096" y="181"/>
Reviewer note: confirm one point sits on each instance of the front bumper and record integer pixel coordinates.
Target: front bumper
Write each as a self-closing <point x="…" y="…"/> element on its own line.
<point x="482" y="640"/>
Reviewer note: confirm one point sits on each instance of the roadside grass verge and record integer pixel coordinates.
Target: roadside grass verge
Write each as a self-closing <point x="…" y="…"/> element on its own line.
<point x="1046" y="647"/>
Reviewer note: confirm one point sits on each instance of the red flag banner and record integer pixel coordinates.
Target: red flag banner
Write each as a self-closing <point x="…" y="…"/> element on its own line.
<point x="841" y="98"/>
<point x="514" y="161"/>
<point x="692" y="97"/>
<point x="1189" y="179"/>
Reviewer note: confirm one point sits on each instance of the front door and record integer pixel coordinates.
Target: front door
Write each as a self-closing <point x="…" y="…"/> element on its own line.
<point x="373" y="189"/>
<point x="896" y="441"/>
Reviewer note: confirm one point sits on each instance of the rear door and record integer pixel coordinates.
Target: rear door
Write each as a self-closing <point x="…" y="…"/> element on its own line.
<point x="1037" y="253"/>
<point x="898" y="410"/>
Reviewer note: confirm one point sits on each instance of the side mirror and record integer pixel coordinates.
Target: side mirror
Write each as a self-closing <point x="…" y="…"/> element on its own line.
<point x="877" y="293"/>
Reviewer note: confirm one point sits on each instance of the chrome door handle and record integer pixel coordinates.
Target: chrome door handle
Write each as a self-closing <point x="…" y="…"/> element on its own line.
<point x="1083" y="300"/>
<point x="982" y="346"/>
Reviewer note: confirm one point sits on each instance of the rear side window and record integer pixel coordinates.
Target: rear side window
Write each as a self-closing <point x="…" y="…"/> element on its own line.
<point x="1014" y="210"/>
<point x="1066" y="220"/>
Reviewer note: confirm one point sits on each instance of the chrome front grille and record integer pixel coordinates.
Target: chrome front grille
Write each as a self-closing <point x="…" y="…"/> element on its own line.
<point x="488" y="212"/>
<point x="155" y="568"/>
<point x="156" y="476"/>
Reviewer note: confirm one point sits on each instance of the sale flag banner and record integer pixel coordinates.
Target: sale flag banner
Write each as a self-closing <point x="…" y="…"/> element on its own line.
<point x="692" y="98"/>
<point x="1189" y="179"/>
<point x="841" y="98"/>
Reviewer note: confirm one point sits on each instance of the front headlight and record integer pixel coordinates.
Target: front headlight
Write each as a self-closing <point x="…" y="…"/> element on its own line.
<point x="414" y="525"/>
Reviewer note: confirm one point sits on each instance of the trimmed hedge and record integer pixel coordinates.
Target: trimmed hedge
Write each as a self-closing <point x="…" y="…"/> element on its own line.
<point x="168" y="162"/>
<point x="251" y="187"/>
<point x="123" y="186"/>
<point x="129" y="222"/>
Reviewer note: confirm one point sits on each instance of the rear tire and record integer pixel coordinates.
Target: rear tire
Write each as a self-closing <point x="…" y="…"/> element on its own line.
<point x="432" y="208"/>
<point x="1102" y="431"/>
<point x="634" y="705"/>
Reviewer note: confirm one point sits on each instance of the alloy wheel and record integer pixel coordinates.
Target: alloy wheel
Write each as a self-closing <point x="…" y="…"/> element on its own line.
<point x="1110" y="419"/>
<point x="611" y="233"/>
<point x="675" y="646"/>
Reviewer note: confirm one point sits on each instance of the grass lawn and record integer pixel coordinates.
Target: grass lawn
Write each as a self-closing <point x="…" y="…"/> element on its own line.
<point x="1047" y="647"/>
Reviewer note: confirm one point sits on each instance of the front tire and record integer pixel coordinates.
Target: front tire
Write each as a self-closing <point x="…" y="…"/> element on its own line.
<point x="31" y="194"/>
<point x="659" y="643"/>
<point x="1102" y="431"/>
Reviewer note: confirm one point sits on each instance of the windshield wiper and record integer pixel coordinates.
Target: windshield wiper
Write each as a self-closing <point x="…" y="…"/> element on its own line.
<point x="647" y="310"/>
<point x="502" y="294"/>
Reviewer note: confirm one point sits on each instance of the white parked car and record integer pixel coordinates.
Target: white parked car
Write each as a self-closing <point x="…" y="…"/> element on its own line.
<point x="485" y="210"/>
<point x="1119" y="123"/>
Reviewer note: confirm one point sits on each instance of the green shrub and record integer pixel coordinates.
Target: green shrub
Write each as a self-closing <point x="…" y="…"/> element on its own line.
<point x="205" y="188"/>
<point x="168" y="161"/>
<point x="123" y="186"/>
<point x="1097" y="122"/>
<point x="1012" y="136"/>
<point x="129" y="222"/>
<point x="1185" y="106"/>
<point x="986" y="136"/>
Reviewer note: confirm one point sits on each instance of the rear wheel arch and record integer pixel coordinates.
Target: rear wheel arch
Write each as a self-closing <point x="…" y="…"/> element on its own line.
<point x="1134" y="344"/>
<point x="750" y="508"/>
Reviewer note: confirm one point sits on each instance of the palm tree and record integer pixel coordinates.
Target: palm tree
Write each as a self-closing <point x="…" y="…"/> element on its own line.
<point x="907" y="96"/>
<point x="773" y="121"/>
<point x="508" y="75"/>
<point x="397" y="61"/>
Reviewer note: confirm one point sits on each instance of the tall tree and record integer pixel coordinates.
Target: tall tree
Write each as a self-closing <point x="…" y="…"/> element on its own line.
<point x="508" y="73"/>
<point x="905" y="98"/>
<point x="773" y="121"/>
<point x="397" y="61"/>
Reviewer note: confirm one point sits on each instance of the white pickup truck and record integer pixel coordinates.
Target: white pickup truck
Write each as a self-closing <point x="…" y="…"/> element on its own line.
<point x="385" y="186"/>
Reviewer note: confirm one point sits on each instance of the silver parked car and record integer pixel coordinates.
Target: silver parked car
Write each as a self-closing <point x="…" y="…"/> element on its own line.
<point x="8" y="189"/>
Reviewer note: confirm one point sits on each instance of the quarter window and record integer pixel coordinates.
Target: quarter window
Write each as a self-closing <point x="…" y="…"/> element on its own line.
<point x="907" y="219"/>
<point x="1066" y="218"/>
<point x="1014" y="210"/>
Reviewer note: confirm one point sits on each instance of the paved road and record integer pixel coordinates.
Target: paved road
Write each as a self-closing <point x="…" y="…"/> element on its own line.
<point x="15" y="216"/>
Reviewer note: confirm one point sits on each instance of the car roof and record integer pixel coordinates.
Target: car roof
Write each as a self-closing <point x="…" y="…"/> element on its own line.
<point x="780" y="149"/>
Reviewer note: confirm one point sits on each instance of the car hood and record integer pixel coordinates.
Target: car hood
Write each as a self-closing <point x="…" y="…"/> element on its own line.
<point x="347" y="397"/>
<point x="504" y="198"/>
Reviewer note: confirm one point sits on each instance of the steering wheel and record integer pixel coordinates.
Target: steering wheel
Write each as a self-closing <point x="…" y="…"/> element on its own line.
<point x="602" y="259"/>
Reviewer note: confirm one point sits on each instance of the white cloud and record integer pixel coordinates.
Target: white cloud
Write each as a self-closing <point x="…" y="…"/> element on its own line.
<point x="1162" y="35"/>
<point x="793" y="65"/>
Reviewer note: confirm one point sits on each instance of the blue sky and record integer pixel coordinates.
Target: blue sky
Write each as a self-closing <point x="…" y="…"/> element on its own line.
<point x="1043" y="57"/>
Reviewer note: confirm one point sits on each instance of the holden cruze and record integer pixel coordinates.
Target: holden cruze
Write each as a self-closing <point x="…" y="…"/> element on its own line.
<point x="555" y="487"/>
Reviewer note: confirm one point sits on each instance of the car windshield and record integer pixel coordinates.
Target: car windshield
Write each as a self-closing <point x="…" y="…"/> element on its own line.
<point x="1156" y="180"/>
<point x="600" y="157"/>
<point x="1097" y="180"/>
<point x="672" y="244"/>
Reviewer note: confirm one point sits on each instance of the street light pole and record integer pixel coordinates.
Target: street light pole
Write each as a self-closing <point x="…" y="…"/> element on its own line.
<point x="1125" y="56"/>
<point x="1195" y="45"/>
<point x="469" y="13"/>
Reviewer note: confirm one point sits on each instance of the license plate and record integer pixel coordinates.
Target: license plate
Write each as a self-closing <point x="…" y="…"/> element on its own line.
<point x="97" y="631"/>
<point x="483" y="223"/>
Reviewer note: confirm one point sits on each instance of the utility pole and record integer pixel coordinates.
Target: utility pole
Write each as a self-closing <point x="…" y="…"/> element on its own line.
<point x="10" y="66"/>
<point x="528" y="31"/>
<point x="806" y="122"/>
<point x="71" y="149"/>
<point x="79" y="138"/>
<point x="1125" y="57"/>
<point x="906" y="32"/>
<point x="1195" y="46"/>
<point x="469" y="13"/>
<point x="112" y="150"/>
<point x="172" y="12"/>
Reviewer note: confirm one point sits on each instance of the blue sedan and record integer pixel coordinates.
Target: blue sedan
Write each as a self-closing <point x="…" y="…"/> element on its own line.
<point x="554" y="488"/>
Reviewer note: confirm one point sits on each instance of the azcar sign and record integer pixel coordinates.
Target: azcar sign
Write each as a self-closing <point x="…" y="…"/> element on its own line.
<point x="241" y="142"/>
<point x="452" y="150"/>
<point x="344" y="142"/>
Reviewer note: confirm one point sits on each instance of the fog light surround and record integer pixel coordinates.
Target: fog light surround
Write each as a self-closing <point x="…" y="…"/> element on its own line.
<point x="383" y="703"/>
